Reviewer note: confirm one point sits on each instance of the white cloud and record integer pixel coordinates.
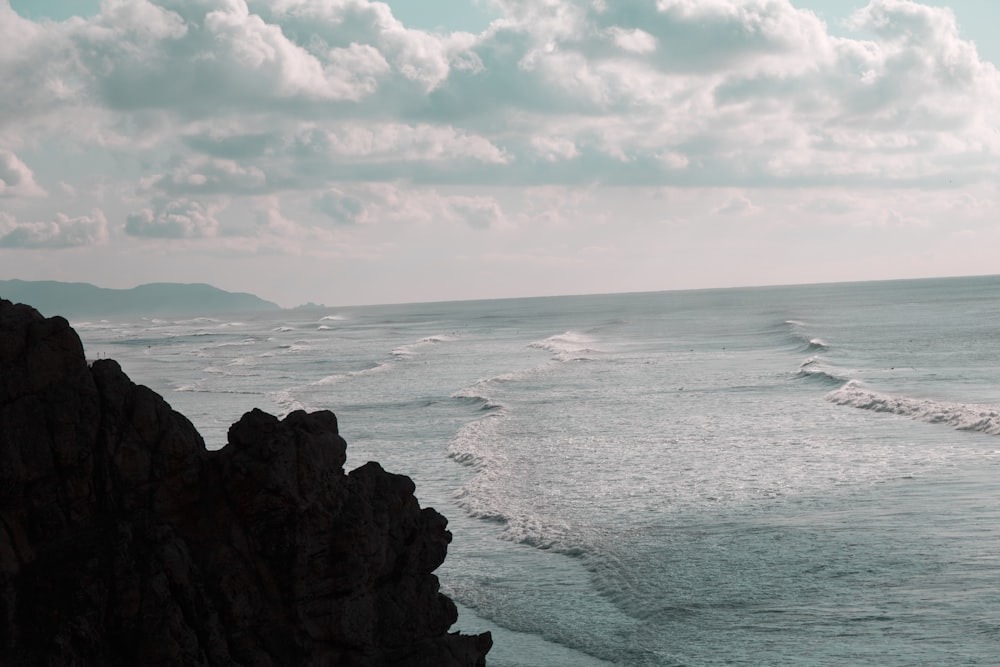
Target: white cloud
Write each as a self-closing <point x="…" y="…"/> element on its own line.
<point x="554" y="149"/>
<point x="635" y="40"/>
<point x="674" y="160"/>
<point x="410" y="143"/>
<point x="174" y="219"/>
<point x="210" y="176"/>
<point x="738" y="205"/>
<point x="342" y="208"/>
<point x="16" y="179"/>
<point x="62" y="232"/>
<point x="300" y="92"/>
<point x="830" y="205"/>
<point x="477" y="212"/>
<point x="327" y="127"/>
<point x="279" y="233"/>
<point x="390" y="203"/>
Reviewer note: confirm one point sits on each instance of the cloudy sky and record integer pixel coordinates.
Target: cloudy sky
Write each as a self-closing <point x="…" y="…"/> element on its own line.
<point x="351" y="152"/>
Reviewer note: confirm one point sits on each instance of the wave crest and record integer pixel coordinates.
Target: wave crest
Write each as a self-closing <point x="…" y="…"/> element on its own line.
<point x="813" y="369"/>
<point x="960" y="416"/>
<point x="568" y="346"/>
<point x="413" y="348"/>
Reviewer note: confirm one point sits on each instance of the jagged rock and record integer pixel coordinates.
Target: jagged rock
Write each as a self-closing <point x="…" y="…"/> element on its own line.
<point x="123" y="541"/>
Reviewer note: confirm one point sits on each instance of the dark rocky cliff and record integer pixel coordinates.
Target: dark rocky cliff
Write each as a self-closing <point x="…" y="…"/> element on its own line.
<point x="124" y="541"/>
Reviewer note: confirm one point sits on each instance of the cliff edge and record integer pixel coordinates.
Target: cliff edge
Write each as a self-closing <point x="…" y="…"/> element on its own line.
<point x="124" y="541"/>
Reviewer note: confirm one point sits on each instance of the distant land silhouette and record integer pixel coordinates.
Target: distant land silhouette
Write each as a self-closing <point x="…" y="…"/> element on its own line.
<point x="85" y="300"/>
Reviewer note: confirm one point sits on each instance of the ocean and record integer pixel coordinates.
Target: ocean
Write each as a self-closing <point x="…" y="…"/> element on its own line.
<point x="802" y="475"/>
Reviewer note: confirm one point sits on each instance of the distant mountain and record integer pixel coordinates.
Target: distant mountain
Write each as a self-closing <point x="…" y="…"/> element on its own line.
<point x="85" y="300"/>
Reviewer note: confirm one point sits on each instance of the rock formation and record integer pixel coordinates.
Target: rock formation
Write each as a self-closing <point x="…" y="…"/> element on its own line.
<point x="123" y="541"/>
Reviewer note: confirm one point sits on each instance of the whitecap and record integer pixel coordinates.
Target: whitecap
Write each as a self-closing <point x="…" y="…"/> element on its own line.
<point x="568" y="346"/>
<point x="413" y="348"/>
<point x="961" y="416"/>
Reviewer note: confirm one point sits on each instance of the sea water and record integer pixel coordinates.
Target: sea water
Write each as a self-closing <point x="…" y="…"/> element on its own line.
<point x="803" y="475"/>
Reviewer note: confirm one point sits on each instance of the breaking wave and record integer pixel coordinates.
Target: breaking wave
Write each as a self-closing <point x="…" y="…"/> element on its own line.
<point x="568" y="346"/>
<point x="413" y="348"/>
<point x="813" y="369"/>
<point x="803" y="340"/>
<point x="340" y="377"/>
<point x="961" y="416"/>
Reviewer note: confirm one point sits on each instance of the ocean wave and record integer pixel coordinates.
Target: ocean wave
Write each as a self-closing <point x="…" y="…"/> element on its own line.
<point x="474" y="396"/>
<point x="813" y="369"/>
<point x="190" y="321"/>
<point x="287" y="402"/>
<point x="198" y="390"/>
<point x="568" y="346"/>
<point x="805" y="341"/>
<point x="522" y="526"/>
<point x="960" y="416"/>
<point x="298" y="346"/>
<point x="332" y="318"/>
<point x="340" y="377"/>
<point x="470" y="447"/>
<point x="534" y="531"/>
<point x="481" y="391"/>
<point x="397" y="354"/>
<point x="413" y="348"/>
<point x="816" y="344"/>
<point x="478" y="445"/>
<point x="233" y="343"/>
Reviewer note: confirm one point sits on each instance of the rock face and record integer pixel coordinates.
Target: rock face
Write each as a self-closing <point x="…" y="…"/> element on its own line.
<point x="123" y="541"/>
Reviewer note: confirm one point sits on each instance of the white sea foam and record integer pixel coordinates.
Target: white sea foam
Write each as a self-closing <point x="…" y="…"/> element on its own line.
<point x="477" y="393"/>
<point x="815" y="368"/>
<point x="287" y="402"/>
<point x="413" y="348"/>
<point x="961" y="416"/>
<point x="333" y="318"/>
<point x="568" y="346"/>
<point x="233" y="343"/>
<point x="817" y="344"/>
<point x="198" y="320"/>
<point x="471" y="446"/>
<point x="298" y="346"/>
<point x="340" y="377"/>
<point x="474" y="443"/>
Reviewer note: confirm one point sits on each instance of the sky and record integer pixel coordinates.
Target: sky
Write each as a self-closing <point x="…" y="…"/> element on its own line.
<point x="354" y="152"/>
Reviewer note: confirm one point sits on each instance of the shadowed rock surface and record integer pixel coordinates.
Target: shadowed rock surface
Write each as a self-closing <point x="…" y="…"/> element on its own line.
<point x="124" y="541"/>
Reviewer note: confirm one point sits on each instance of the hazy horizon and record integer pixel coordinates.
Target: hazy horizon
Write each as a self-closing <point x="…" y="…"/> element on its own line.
<point x="300" y="304"/>
<point x="350" y="152"/>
